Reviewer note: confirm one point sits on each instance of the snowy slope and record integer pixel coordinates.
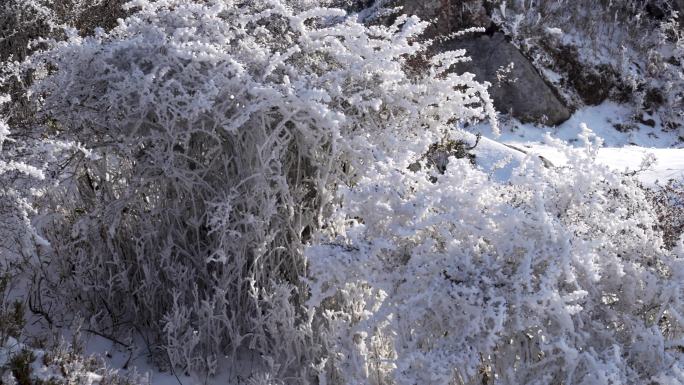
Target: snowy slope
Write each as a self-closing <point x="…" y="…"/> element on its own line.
<point x="624" y="151"/>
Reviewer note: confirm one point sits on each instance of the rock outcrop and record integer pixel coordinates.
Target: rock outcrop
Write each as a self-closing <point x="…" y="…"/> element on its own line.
<point x="516" y="88"/>
<point x="529" y="98"/>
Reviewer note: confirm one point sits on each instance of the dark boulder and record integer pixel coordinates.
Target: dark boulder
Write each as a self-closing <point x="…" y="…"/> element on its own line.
<point x="521" y="90"/>
<point x="529" y="98"/>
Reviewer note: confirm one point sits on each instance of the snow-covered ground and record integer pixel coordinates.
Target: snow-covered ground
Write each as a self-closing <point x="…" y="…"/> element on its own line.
<point x="624" y="149"/>
<point x="137" y="361"/>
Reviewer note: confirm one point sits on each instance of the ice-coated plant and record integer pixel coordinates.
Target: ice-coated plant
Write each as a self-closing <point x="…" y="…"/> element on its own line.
<point x="632" y="49"/>
<point x="230" y="179"/>
<point x="559" y="276"/>
<point x="20" y="178"/>
<point x="214" y="137"/>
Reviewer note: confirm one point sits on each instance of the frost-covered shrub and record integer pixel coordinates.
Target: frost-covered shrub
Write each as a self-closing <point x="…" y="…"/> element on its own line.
<point x="626" y="50"/>
<point x="216" y="135"/>
<point x="24" y="22"/>
<point x="26" y="159"/>
<point x="559" y="276"/>
<point x="11" y="311"/>
<point x="448" y="16"/>
<point x="666" y="65"/>
<point x="28" y="163"/>
<point x="25" y="25"/>
<point x="62" y="364"/>
<point x="19" y="178"/>
<point x="596" y="20"/>
<point x="668" y="200"/>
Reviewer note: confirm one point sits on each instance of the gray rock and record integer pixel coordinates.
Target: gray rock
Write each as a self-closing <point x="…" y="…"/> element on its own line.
<point x="529" y="98"/>
<point x="523" y="92"/>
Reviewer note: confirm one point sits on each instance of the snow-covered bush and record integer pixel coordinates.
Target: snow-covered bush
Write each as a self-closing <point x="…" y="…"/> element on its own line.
<point x="668" y="200"/>
<point x="212" y="137"/>
<point x="225" y="178"/>
<point x="62" y="364"/>
<point x="559" y="276"/>
<point x="667" y="67"/>
<point x="27" y="160"/>
<point x="11" y="311"/>
<point x="22" y="22"/>
<point x="624" y="50"/>
<point x="596" y="20"/>
<point x="19" y="178"/>
<point x="25" y="25"/>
